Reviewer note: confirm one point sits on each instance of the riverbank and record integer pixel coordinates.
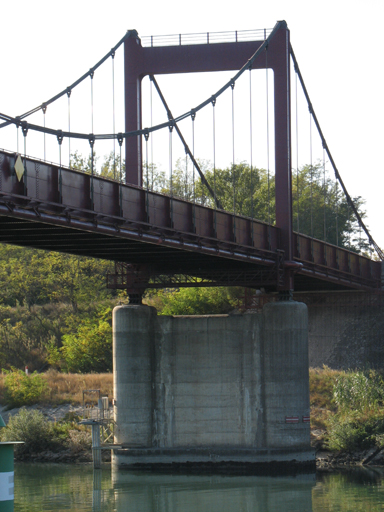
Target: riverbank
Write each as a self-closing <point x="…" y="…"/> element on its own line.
<point x="325" y="460"/>
<point x="63" y="408"/>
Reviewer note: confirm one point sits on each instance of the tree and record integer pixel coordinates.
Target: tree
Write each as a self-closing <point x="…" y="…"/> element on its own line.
<point x="319" y="208"/>
<point x="194" y="301"/>
<point x="89" y="349"/>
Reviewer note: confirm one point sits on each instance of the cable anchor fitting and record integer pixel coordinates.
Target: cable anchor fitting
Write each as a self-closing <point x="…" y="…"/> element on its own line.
<point x="213" y="100"/>
<point x="60" y="137"/>
<point x="44" y="107"/>
<point x="146" y="134"/>
<point x="91" y="140"/>
<point x="69" y="90"/>
<point x="24" y="128"/>
<point x="120" y="139"/>
<point x="193" y="114"/>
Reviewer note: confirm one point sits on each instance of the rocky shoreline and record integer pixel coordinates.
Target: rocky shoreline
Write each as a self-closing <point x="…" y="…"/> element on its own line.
<point x="371" y="457"/>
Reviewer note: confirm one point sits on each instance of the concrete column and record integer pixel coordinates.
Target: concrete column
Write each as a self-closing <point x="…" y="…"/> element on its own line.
<point x="286" y="375"/>
<point x="382" y="274"/>
<point x="133" y="375"/>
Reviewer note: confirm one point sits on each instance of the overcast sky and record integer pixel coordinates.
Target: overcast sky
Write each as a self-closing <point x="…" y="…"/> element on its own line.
<point x="47" y="45"/>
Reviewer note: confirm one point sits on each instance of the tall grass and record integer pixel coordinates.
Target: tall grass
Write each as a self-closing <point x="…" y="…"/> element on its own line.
<point x="68" y="387"/>
<point x="359" y="420"/>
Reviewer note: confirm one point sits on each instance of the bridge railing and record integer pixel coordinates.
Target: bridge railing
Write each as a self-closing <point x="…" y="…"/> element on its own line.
<point x="206" y="38"/>
<point x="65" y="196"/>
<point x="321" y="257"/>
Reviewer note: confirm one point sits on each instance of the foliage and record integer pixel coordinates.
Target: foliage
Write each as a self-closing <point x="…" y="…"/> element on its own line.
<point x="64" y="388"/>
<point x="355" y="430"/>
<point x="359" y="420"/>
<point x="89" y="349"/>
<point x="319" y="207"/>
<point x="32" y="428"/>
<point x="359" y="391"/>
<point x="194" y="301"/>
<point x="39" y="434"/>
<point x="109" y="168"/>
<point x="321" y="385"/>
<point x="42" y="297"/>
<point x="21" y="389"/>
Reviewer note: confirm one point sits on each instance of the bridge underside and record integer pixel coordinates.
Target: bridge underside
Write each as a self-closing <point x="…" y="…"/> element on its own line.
<point x="170" y="241"/>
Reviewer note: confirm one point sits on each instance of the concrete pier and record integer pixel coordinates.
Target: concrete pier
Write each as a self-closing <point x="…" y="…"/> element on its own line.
<point x="211" y="389"/>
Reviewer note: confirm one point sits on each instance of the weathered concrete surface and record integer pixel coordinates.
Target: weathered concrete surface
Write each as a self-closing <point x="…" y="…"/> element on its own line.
<point x="346" y="330"/>
<point x="286" y="374"/>
<point x="133" y="374"/>
<point x="211" y="388"/>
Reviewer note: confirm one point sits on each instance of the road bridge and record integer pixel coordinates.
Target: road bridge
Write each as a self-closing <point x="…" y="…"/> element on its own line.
<point x="227" y="389"/>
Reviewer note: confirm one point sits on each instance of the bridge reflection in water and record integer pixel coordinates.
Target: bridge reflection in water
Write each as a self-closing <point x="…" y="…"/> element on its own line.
<point x="55" y="487"/>
<point x="213" y="493"/>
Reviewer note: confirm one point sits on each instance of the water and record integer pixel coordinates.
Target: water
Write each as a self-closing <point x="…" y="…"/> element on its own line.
<point x="49" y="487"/>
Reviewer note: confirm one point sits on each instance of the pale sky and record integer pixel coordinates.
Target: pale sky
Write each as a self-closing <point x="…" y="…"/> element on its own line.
<point x="47" y="45"/>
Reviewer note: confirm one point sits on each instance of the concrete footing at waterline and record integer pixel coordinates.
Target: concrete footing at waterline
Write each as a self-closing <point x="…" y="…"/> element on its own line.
<point x="216" y="390"/>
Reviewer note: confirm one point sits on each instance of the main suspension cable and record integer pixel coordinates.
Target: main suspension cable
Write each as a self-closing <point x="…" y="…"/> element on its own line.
<point x="77" y="82"/>
<point x="11" y="120"/>
<point x="337" y="175"/>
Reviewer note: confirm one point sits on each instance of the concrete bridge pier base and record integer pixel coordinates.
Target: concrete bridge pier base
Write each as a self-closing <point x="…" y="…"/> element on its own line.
<point x="221" y="390"/>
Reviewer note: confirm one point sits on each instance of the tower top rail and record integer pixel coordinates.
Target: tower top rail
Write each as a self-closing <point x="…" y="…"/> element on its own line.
<point x="233" y="36"/>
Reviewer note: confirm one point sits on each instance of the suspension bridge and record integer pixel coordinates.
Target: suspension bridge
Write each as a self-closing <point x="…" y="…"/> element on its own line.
<point x="212" y="389"/>
<point x="161" y="239"/>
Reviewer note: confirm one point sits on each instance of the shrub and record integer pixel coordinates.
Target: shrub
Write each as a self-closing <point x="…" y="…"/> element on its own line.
<point x="39" y="434"/>
<point x="79" y="440"/>
<point x="32" y="428"/>
<point x="358" y="391"/>
<point x="90" y="348"/>
<point x="355" y="431"/>
<point x="21" y="389"/>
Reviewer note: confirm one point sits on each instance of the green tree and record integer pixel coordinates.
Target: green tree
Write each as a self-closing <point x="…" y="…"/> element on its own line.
<point x="194" y="301"/>
<point x="89" y="349"/>
<point x="319" y="208"/>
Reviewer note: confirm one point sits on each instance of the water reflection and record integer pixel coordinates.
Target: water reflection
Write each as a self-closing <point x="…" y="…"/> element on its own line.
<point x="55" y="488"/>
<point x="357" y="489"/>
<point x="211" y="493"/>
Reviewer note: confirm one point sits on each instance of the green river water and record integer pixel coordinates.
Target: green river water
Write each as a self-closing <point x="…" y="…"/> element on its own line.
<point x="58" y="487"/>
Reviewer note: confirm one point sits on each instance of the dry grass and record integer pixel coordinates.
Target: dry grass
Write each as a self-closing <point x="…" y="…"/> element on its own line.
<point x="68" y="387"/>
<point x="321" y="382"/>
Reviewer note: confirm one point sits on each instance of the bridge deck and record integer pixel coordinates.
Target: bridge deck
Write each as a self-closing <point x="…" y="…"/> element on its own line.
<point x="69" y="211"/>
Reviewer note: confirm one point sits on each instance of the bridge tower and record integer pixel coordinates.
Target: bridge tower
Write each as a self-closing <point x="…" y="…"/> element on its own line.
<point x="140" y="61"/>
<point x="213" y="389"/>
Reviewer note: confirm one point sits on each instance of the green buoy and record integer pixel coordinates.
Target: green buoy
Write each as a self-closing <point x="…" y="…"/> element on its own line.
<point x="6" y="473"/>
